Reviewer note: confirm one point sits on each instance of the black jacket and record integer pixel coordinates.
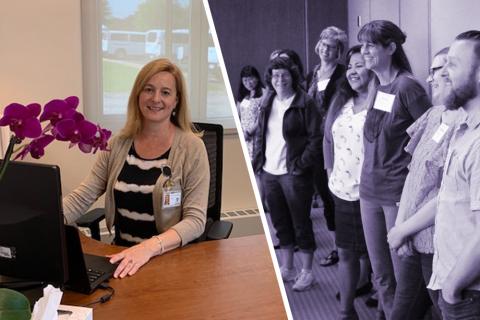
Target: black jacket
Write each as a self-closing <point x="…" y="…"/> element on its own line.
<point x="324" y="98"/>
<point x="300" y="130"/>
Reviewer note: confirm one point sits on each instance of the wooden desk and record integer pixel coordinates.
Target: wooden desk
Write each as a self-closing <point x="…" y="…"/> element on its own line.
<point x="226" y="279"/>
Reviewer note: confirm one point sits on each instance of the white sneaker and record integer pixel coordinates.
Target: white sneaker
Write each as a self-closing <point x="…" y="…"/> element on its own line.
<point x="287" y="274"/>
<point x="304" y="281"/>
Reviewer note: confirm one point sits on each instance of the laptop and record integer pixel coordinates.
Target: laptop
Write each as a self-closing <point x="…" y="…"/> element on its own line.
<point x="86" y="272"/>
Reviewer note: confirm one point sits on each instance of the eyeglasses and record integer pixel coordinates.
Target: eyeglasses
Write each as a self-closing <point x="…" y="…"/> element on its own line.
<point x="279" y="54"/>
<point x="433" y="70"/>
<point x="328" y="47"/>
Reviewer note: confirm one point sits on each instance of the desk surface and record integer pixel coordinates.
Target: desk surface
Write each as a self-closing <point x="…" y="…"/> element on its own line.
<point x="226" y="279"/>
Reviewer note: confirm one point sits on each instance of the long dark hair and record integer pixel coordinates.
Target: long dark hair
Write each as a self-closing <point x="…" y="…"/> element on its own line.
<point x="344" y="91"/>
<point x="385" y="32"/>
<point x="249" y="71"/>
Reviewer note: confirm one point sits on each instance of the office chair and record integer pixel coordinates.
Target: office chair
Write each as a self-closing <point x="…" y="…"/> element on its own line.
<point x="215" y="229"/>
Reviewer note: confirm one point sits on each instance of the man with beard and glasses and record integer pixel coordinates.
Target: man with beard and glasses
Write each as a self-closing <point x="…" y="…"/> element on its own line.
<point x="456" y="209"/>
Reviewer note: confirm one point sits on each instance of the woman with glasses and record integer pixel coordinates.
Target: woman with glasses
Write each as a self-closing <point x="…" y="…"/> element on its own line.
<point x="343" y="153"/>
<point x="397" y="100"/>
<point x="286" y="146"/>
<point x="323" y="83"/>
<point x="155" y="176"/>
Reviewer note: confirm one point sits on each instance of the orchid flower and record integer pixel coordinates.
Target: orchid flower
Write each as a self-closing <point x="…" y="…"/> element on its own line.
<point x="22" y="120"/>
<point x="98" y="141"/>
<point x="36" y="147"/>
<point x="65" y="124"/>
<point x="56" y="110"/>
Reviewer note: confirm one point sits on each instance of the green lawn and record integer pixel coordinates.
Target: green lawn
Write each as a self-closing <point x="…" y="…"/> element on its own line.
<point x="118" y="77"/>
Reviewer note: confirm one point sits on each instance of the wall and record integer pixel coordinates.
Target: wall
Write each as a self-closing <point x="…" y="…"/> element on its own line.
<point x="249" y="30"/>
<point x="41" y="59"/>
<point x="412" y="16"/>
<point x="449" y="18"/>
<point x="430" y="25"/>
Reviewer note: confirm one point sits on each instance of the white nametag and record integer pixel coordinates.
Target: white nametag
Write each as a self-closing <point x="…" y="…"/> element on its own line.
<point x="438" y="135"/>
<point x="6" y="252"/>
<point x="171" y="198"/>
<point x="384" y="101"/>
<point x="322" y="84"/>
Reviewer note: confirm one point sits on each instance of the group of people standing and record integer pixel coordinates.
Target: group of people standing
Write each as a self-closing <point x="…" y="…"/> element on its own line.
<point x="398" y="177"/>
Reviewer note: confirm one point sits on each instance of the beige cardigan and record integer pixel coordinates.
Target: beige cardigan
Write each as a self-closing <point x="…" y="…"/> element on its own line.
<point x="189" y="163"/>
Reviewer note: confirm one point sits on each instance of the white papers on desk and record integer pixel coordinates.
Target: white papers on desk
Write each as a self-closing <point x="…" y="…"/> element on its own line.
<point x="46" y="307"/>
<point x="77" y="313"/>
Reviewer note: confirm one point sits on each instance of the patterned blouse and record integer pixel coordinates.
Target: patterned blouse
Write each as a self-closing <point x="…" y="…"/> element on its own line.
<point x="249" y="109"/>
<point x="428" y="146"/>
<point x="347" y="133"/>
<point x="135" y="221"/>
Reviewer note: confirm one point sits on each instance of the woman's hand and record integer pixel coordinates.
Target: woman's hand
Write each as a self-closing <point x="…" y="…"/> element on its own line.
<point x="405" y="250"/>
<point x="131" y="260"/>
<point x="396" y="237"/>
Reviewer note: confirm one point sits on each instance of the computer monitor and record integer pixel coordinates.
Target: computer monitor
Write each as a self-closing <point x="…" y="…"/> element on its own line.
<point x="32" y="232"/>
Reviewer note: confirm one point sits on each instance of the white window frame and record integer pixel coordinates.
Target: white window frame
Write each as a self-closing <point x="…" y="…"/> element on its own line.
<point x="92" y="68"/>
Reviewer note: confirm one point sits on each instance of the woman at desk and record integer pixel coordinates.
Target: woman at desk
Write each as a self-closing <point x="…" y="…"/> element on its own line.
<point x="155" y="176"/>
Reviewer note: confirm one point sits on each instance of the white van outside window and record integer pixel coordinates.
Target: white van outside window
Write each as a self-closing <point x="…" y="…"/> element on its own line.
<point x="122" y="44"/>
<point x="155" y="43"/>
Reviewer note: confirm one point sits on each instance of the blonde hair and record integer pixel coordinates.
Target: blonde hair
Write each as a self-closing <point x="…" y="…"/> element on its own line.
<point x="181" y="115"/>
<point x="336" y="34"/>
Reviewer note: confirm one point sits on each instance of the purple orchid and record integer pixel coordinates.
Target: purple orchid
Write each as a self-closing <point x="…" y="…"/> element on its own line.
<point x="76" y="130"/>
<point x="98" y="141"/>
<point x="36" y="147"/>
<point x="56" y="110"/>
<point x="22" y="120"/>
<point x="66" y="124"/>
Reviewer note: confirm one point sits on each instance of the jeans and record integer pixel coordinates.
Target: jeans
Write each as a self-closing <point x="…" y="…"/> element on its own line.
<point x="377" y="220"/>
<point x="426" y="259"/>
<point x="289" y="200"/>
<point x="411" y="296"/>
<point x="321" y="187"/>
<point x="467" y="309"/>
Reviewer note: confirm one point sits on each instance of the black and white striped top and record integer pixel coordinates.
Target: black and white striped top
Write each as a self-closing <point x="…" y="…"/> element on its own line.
<point x="134" y="218"/>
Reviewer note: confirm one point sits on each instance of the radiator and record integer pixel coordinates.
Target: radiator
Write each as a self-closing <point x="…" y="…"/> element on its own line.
<point x="246" y="222"/>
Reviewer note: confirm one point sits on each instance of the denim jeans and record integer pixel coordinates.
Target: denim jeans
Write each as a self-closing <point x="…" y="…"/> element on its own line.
<point x="289" y="198"/>
<point x="401" y="289"/>
<point x="321" y="187"/>
<point x="411" y="296"/>
<point x="426" y="259"/>
<point x="377" y="220"/>
<point x="467" y="309"/>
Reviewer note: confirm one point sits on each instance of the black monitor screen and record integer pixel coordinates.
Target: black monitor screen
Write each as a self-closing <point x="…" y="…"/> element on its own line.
<point x="32" y="235"/>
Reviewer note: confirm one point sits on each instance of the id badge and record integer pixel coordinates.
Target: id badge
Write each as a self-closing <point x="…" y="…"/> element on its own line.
<point x="171" y="197"/>
<point x="384" y="101"/>
<point x="438" y="135"/>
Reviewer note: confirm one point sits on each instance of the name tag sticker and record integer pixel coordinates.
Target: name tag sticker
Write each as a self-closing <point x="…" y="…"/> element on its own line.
<point x="438" y="135"/>
<point x="171" y="198"/>
<point x="384" y="101"/>
<point x="7" y="252"/>
<point x="322" y="84"/>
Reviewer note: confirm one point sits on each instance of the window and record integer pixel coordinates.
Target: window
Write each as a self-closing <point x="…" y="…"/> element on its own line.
<point x="119" y="37"/>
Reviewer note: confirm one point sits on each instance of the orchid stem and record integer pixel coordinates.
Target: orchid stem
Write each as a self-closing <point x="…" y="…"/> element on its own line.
<point x="3" y="167"/>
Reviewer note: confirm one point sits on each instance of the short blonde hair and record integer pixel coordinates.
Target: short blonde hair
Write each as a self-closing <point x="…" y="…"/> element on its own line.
<point x="336" y="34"/>
<point x="181" y="115"/>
